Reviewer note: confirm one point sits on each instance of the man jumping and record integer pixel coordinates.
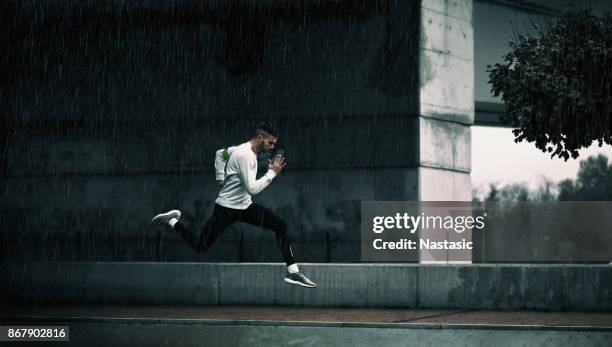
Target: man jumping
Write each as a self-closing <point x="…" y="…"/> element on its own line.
<point x="236" y="169"/>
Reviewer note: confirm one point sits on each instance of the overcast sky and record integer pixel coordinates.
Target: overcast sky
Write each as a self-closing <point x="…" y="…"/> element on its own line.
<point x="496" y="157"/>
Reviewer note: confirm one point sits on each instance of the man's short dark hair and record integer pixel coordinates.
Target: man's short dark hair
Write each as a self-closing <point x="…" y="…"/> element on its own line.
<point x="268" y="127"/>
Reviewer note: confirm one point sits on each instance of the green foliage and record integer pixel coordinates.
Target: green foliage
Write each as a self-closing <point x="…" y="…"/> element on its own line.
<point x="557" y="86"/>
<point x="593" y="182"/>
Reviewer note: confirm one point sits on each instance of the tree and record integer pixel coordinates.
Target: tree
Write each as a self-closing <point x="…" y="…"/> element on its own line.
<point x="493" y="193"/>
<point x="593" y="182"/>
<point x="511" y="192"/>
<point x="557" y="86"/>
<point x="545" y="191"/>
<point x="515" y="192"/>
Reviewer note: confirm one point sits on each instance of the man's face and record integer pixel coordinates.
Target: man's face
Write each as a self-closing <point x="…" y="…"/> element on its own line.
<point x="268" y="142"/>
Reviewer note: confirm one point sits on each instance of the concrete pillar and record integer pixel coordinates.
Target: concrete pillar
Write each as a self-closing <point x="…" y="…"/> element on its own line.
<point x="446" y="113"/>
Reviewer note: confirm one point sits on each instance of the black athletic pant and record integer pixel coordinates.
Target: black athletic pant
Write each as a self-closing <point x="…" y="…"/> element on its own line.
<point x="222" y="217"/>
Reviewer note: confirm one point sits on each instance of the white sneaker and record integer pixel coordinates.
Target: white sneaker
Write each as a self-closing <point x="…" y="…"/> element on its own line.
<point x="299" y="279"/>
<point x="164" y="218"/>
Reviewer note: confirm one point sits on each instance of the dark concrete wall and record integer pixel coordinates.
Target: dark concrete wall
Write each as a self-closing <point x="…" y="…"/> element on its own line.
<point x="111" y="113"/>
<point x="481" y="286"/>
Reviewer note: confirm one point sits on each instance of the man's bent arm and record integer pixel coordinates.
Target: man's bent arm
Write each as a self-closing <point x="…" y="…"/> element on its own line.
<point x="248" y="177"/>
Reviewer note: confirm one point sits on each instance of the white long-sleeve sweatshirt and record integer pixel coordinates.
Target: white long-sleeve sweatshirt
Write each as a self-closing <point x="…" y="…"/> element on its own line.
<point x="240" y="176"/>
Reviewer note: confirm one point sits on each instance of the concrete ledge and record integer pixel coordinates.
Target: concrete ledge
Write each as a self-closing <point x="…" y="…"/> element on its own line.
<point x="482" y="286"/>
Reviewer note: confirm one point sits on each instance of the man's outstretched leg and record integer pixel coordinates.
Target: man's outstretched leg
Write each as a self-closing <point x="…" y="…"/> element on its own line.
<point x="262" y="217"/>
<point x="221" y="218"/>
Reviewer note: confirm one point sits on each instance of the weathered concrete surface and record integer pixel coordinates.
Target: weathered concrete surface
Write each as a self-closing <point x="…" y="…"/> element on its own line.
<point x="591" y="287"/>
<point x="199" y="65"/>
<point x="121" y="125"/>
<point x="107" y="218"/>
<point x="460" y="9"/>
<point x="382" y="317"/>
<point x="376" y="104"/>
<point x="480" y="286"/>
<point x="123" y="333"/>
<point x="446" y="86"/>
<point x="210" y="284"/>
<point x="446" y="95"/>
<point x="103" y="132"/>
<point x="542" y="287"/>
<point x="545" y="288"/>
<point x="443" y="183"/>
<point x="143" y="148"/>
<point x="445" y="145"/>
<point x="446" y="113"/>
<point x="447" y="61"/>
<point x="263" y="325"/>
